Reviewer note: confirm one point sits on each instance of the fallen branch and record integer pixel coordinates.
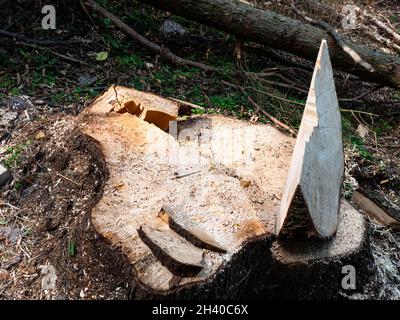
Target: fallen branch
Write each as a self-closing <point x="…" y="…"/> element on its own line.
<point x="185" y="103"/>
<point x="274" y="96"/>
<point x="34" y="46"/>
<point x="359" y="111"/>
<point x="280" y="32"/>
<point x="278" y="56"/>
<point x="381" y="25"/>
<point x="70" y="180"/>
<point x="367" y="30"/>
<point x="9" y="205"/>
<point x="272" y="118"/>
<point x="380" y="39"/>
<point x="283" y="85"/>
<point x="374" y="211"/>
<point x="336" y="37"/>
<point x="183" y="175"/>
<point x="86" y="11"/>
<point x="361" y="96"/>
<point x="162" y="51"/>
<point x="20" y="37"/>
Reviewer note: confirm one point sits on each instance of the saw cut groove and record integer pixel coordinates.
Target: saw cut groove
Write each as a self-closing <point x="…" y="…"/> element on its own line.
<point x="175" y="253"/>
<point x="187" y="230"/>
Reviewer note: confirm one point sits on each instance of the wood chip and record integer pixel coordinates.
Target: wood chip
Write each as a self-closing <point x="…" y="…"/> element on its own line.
<point x="374" y="211"/>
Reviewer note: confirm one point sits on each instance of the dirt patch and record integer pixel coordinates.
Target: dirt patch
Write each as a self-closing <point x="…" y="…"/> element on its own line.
<point x="62" y="175"/>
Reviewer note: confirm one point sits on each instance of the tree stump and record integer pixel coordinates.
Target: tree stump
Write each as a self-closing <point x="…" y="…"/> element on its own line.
<point x="194" y="209"/>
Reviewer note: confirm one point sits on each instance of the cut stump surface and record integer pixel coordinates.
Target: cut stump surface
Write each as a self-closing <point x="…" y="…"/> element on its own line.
<point x="221" y="178"/>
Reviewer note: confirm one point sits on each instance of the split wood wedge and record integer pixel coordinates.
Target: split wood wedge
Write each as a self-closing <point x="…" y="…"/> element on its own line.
<point x="311" y="197"/>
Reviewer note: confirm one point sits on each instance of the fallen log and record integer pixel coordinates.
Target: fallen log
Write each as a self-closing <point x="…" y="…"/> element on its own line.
<point x="274" y="30"/>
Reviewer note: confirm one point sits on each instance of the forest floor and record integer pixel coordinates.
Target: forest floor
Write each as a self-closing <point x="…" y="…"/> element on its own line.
<point x="45" y="209"/>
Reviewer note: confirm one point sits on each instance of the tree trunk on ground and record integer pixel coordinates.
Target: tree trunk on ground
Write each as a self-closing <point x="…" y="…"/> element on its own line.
<point x="284" y="33"/>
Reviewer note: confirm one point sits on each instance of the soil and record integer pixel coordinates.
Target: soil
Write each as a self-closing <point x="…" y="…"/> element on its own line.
<point x="63" y="178"/>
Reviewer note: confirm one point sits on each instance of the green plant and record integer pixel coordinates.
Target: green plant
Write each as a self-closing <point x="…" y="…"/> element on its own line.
<point x="7" y="82"/>
<point x="78" y="94"/>
<point x="13" y="154"/>
<point x="195" y="94"/>
<point x="230" y="102"/>
<point x="359" y="145"/>
<point x="383" y="127"/>
<point x="394" y="19"/>
<point x="38" y="79"/>
<point x="15" y="91"/>
<point x="71" y="248"/>
<point x="143" y="19"/>
<point x="18" y="186"/>
<point x="107" y="22"/>
<point x="130" y="61"/>
<point x="110" y="39"/>
<point x="348" y="189"/>
<point x="198" y="111"/>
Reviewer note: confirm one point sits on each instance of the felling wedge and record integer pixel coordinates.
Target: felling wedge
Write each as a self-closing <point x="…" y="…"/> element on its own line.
<point x="311" y="197"/>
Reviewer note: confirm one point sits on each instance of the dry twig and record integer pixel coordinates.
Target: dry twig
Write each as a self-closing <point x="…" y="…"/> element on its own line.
<point x="164" y="52"/>
<point x="34" y="46"/>
<point x="260" y="109"/>
<point x="381" y="25"/>
<point x="336" y="37"/>
<point x="20" y="37"/>
<point x="361" y="96"/>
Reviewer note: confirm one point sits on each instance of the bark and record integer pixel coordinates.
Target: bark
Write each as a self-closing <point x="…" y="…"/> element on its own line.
<point x="284" y="33"/>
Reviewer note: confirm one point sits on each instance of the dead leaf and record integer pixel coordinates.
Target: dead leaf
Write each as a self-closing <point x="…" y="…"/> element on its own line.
<point x="4" y="275"/>
<point x="362" y="131"/>
<point x="40" y="135"/>
<point x="13" y="261"/>
<point x="245" y="183"/>
<point x="10" y="235"/>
